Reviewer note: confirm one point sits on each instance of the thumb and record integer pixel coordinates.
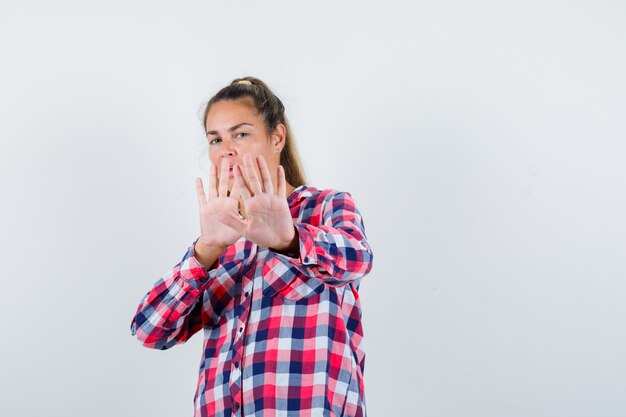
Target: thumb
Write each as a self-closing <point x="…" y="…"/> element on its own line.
<point x="233" y="221"/>
<point x="235" y="192"/>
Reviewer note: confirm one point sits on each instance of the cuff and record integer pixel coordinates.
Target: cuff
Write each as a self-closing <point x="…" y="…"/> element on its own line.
<point x="306" y="245"/>
<point x="306" y="261"/>
<point x="295" y="277"/>
<point x="193" y="272"/>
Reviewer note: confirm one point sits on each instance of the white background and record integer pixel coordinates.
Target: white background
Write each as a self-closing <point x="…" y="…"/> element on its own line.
<point x="483" y="142"/>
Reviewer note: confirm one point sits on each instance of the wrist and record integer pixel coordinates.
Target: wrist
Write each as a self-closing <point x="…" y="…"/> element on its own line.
<point x="292" y="246"/>
<point x="208" y="249"/>
<point x="207" y="255"/>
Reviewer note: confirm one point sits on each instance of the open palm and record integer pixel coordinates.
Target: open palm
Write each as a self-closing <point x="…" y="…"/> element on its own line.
<point x="268" y="221"/>
<point x="212" y="231"/>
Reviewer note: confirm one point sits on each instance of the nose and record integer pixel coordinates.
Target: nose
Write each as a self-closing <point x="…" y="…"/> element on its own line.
<point x="227" y="149"/>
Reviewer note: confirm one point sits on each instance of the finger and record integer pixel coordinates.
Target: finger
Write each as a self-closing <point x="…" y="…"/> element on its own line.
<point x="223" y="187"/>
<point x="213" y="182"/>
<point x="200" y="192"/>
<point x="265" y="175"/>
<point x="235" y="192"/>
<point x="282" y="182"/>
<point x="233" y="221"/>
<point x="253" y="178"/>
<point x="240" y="183"/>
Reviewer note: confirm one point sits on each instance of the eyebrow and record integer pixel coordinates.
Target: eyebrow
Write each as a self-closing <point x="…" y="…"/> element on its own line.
<point x="214" y="132"/>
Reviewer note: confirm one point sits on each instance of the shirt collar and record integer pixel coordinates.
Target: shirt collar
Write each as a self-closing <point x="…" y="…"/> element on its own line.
<point x="299" y="193"/>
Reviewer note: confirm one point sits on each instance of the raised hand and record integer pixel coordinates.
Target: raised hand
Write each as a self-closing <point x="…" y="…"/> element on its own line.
<point x="214" y="233"/>
<point x="268" y="221"/>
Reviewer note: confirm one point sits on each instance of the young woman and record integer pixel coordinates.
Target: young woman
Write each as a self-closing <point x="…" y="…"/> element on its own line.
<point x="272" y="279"/>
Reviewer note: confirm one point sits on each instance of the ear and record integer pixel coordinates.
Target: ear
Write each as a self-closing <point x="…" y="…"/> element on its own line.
<point x="278" y="137"/>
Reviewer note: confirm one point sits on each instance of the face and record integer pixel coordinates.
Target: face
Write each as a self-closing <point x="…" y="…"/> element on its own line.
<point x="233" y="128"/>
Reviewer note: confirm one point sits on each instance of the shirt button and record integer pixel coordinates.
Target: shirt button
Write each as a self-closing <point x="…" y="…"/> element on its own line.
<point x="236" y="364"/>
<point x="247" y="293"/>
<point x="240" y="329"/>
<point x="236" y="405"/>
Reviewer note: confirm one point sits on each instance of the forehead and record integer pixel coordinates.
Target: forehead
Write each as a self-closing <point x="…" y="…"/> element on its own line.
<point x="225" y="114"/>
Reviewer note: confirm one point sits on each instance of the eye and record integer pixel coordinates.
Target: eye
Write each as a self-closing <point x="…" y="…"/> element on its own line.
<point x="214" y="141"/>
<point x="241" y="135"/>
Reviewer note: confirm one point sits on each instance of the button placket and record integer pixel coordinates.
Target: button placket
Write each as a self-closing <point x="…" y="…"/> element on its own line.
<point x="236" y="377"/>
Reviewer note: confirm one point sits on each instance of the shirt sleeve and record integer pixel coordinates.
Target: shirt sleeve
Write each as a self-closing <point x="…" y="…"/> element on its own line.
<point x="171" y="312"/>
<point x="334" y="251"/>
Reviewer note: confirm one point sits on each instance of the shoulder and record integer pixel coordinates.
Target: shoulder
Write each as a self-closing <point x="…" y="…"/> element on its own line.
<point x="313" y="204"/>
<point x="316" y="196"/>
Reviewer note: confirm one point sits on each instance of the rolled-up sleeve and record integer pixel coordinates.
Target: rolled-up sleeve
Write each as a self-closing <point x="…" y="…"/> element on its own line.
<point x="335" y="250"/>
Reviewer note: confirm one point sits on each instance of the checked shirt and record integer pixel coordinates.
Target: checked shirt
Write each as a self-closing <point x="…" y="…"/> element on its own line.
<point x="282" y="334"/>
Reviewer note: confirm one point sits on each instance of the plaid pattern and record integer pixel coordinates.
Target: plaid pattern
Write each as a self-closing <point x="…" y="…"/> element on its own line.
<point x="282" y="335"/>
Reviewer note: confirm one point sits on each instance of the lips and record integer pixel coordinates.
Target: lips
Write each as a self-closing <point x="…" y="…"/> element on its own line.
<point x="231" y="167"/>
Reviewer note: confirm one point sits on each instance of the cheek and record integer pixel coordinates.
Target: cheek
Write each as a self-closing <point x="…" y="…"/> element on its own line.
<point x="213" y="157"/>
